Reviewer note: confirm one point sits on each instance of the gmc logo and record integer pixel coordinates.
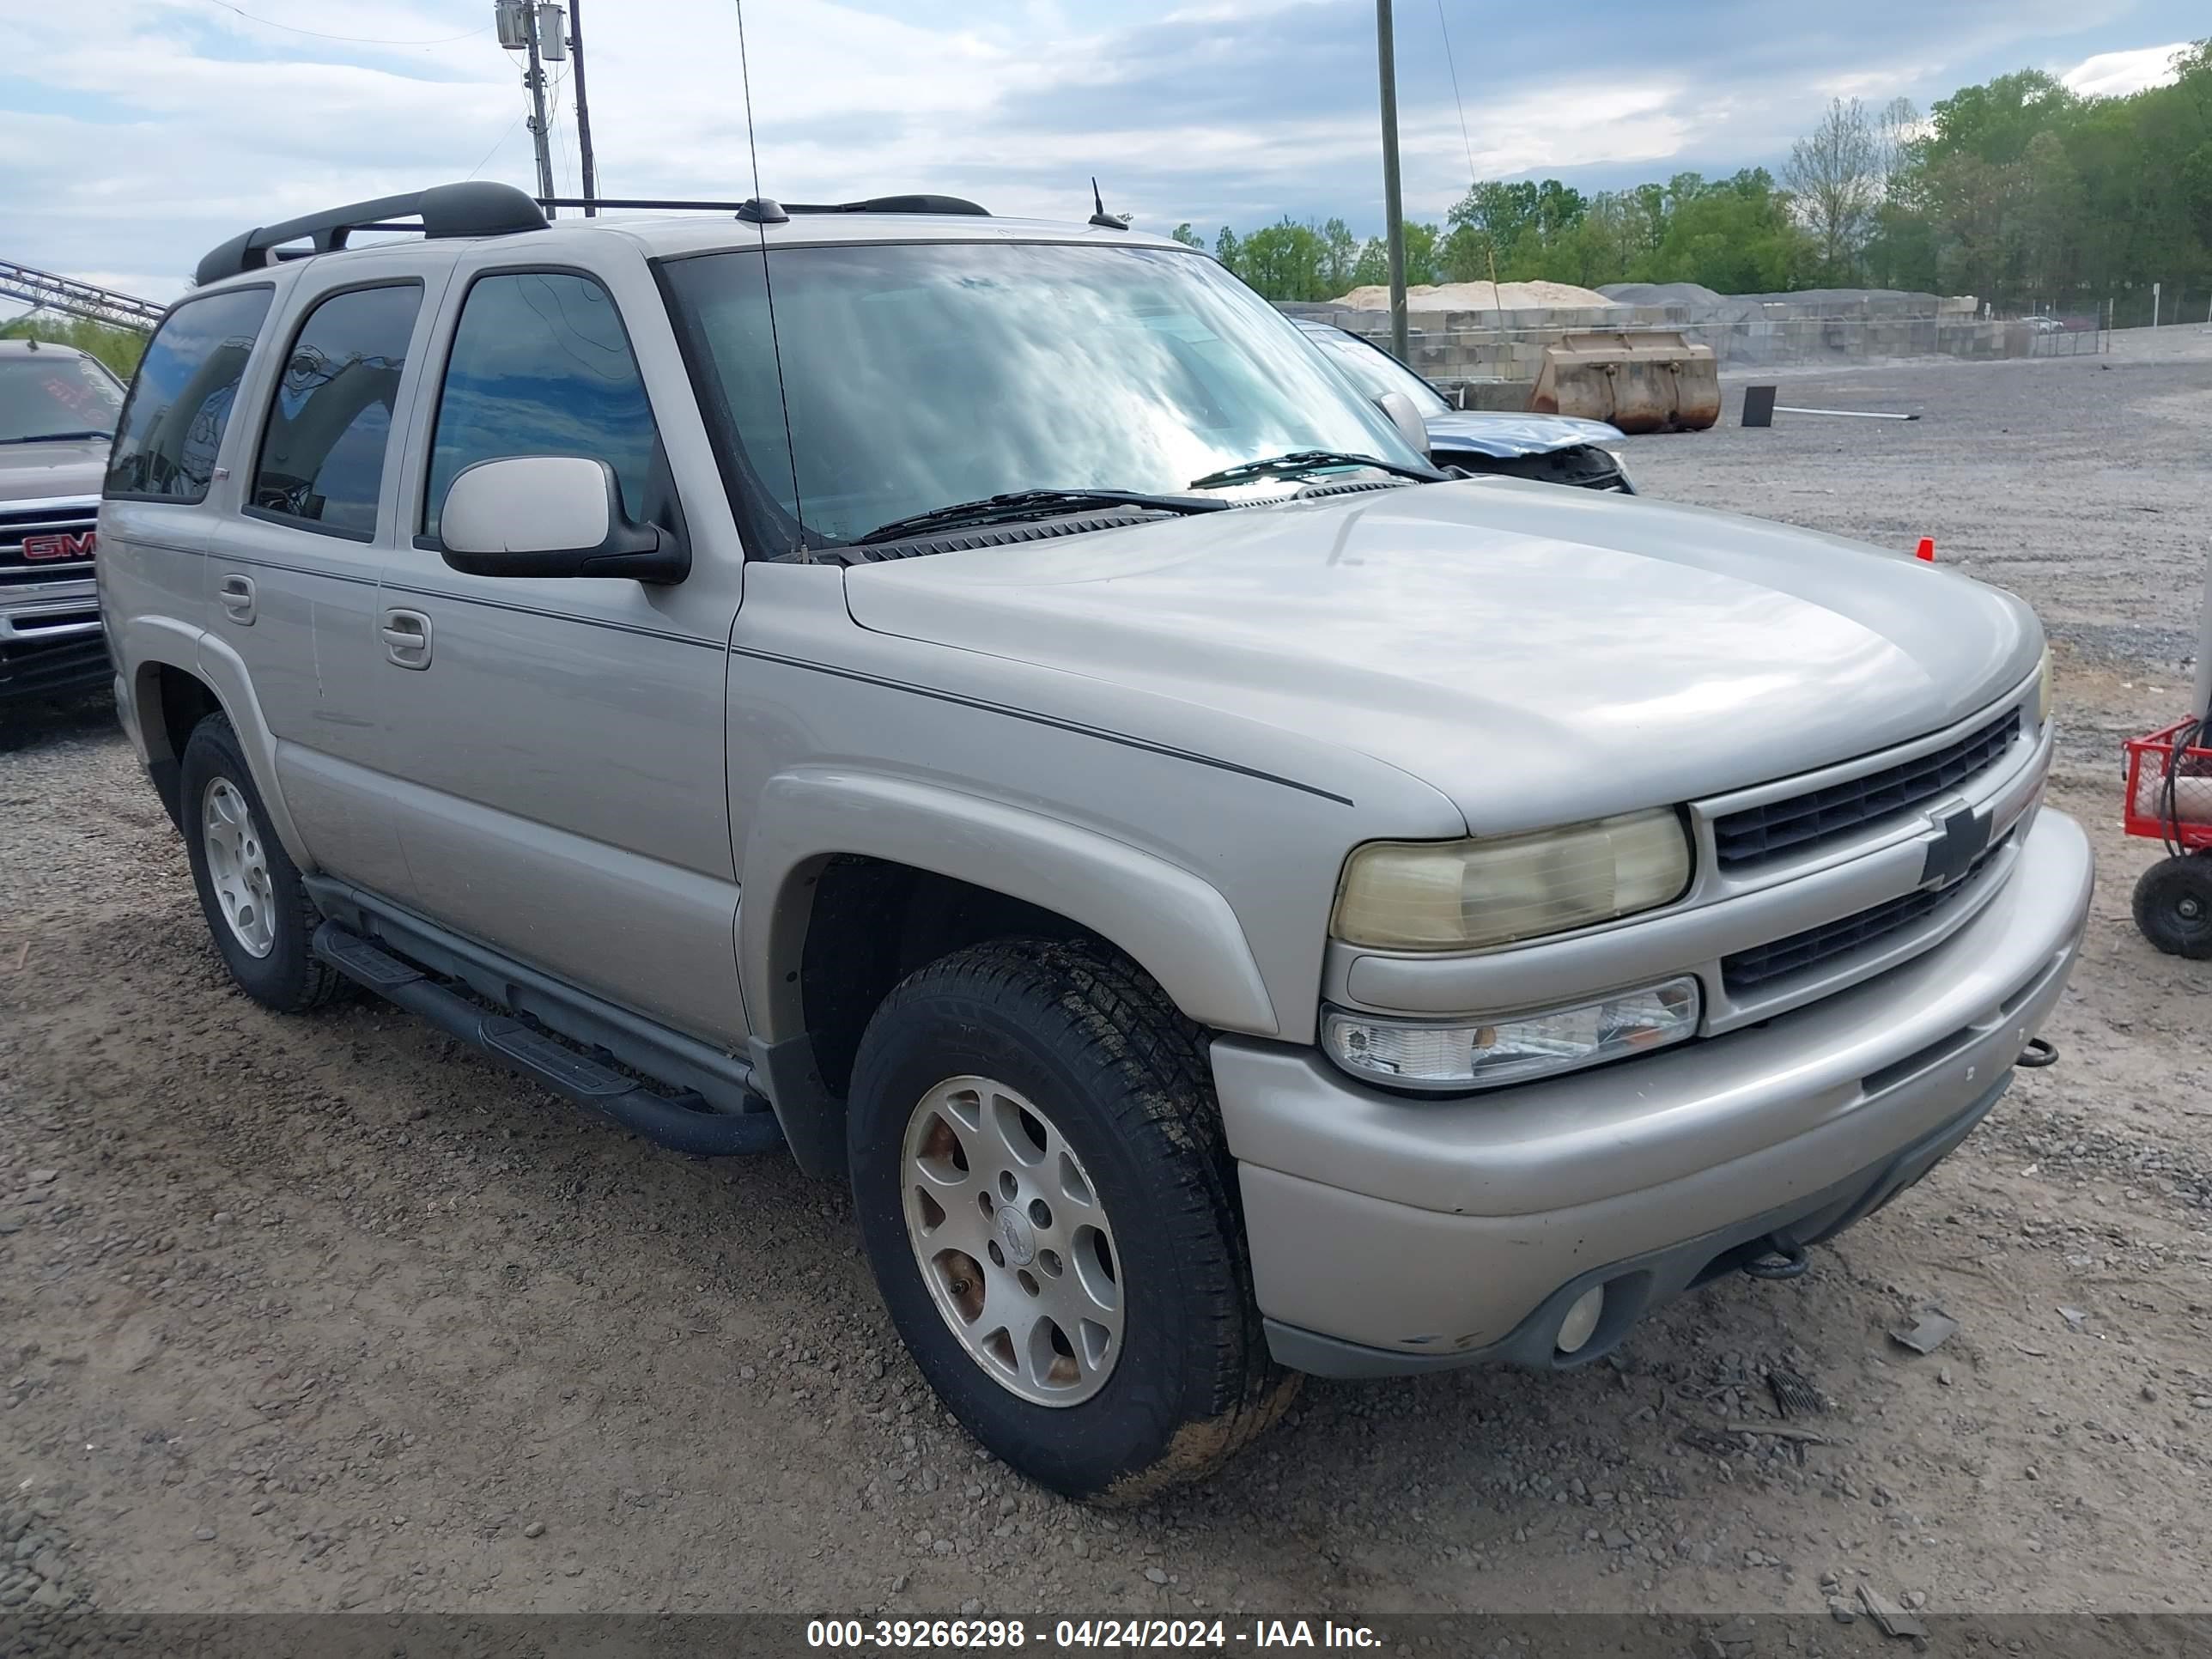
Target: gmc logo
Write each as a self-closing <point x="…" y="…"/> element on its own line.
<point x="66" y="544"/>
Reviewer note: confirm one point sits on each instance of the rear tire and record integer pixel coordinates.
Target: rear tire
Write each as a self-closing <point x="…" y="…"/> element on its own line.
<point x="1038" y="1168"/>
<point x="2173" y="906"/>
<point x="257" y="910"/>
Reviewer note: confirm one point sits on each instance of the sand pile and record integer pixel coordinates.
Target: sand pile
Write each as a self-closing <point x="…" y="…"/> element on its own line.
<point x="1473" y="296"/>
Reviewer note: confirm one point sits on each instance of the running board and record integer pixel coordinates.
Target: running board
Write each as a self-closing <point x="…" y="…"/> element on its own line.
<point x="679" y="1122"/>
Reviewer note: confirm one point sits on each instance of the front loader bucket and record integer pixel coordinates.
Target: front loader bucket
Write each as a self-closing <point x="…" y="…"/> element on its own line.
<point x="1644" y="380"/>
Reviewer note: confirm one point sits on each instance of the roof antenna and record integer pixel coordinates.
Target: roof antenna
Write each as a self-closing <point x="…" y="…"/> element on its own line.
<point x="759" y="210"/>
<point x="1099" y="217"/>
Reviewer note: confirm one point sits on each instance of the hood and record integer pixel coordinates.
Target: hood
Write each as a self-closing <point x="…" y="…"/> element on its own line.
<point x="1540" y="655"/>
<point x="30" y="473"/>
<point x="1503" y="436"/>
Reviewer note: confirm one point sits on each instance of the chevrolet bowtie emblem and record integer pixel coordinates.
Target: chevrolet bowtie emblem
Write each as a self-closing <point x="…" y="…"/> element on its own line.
<point x="1961" y="837"/>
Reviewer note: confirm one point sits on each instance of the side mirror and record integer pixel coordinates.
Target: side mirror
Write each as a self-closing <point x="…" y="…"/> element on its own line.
<point x="551" y="515"/>
<point x="1406" y="416"/>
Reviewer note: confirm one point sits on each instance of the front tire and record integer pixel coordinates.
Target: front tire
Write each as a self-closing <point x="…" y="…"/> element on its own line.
<point x="257" y="907"/>
<point x="1042" y="1187"/>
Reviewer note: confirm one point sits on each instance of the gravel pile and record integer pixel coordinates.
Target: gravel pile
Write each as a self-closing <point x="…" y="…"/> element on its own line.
<point x="1475" y="296"/>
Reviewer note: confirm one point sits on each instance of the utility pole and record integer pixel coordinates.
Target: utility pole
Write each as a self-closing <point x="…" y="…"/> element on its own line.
<point x="534" y="78"/>
<point x="1394" y="211"/>
<point x="583" y="110"/>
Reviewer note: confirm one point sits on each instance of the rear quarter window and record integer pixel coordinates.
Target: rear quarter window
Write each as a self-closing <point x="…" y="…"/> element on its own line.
<point x="180" y="401"/>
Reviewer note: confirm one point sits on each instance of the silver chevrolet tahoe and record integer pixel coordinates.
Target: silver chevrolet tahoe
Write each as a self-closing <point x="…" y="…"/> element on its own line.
<point x="58" y="409"/>
<point x="980" y="704"/>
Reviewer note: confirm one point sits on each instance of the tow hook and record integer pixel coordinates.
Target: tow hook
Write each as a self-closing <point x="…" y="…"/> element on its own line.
<point x="2039" y="1053"/>
<point x="1783" y="1257"/>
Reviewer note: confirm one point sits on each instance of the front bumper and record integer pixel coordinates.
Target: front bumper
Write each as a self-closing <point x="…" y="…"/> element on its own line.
<point x="50" y="638"/>
<point x="1396" y="1235"/>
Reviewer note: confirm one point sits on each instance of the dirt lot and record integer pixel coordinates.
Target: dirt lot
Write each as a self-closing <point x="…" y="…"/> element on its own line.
<point x="321" y="1314"/>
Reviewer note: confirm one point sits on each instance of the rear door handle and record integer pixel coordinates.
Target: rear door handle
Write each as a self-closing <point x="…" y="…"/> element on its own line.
<point x="406" y="635"/>
<point x="236" y="592"/>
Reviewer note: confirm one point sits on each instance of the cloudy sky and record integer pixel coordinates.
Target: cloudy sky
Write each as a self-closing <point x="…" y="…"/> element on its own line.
<point x="136" y="134"/>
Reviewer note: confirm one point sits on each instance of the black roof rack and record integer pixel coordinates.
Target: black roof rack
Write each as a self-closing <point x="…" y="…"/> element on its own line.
<point x="479" y="208"/>
<point x="761" y="210"/>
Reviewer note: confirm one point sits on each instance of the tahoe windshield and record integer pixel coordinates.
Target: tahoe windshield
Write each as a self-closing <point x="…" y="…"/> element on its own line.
<point x="897" y="379"/>
<point x="56" y="394"/>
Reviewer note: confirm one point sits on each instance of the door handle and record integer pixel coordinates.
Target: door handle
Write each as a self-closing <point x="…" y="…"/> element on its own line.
<point x="236" y="592"/>
<point x="406" y="636"/>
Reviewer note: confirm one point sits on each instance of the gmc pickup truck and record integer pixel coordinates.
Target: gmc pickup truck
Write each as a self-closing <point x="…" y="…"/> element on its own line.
<point x="58" y="409"/>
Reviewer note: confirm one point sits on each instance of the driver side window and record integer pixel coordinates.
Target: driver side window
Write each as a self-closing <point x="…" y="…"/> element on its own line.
<point x="540" y="365"/>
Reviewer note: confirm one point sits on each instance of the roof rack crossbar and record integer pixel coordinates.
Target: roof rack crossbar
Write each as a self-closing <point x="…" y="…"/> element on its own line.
<point x="767" y="211"/>
<point x="477" y="208"/>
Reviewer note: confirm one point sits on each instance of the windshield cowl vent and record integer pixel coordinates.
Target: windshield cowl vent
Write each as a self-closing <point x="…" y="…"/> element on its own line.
<point x="993" y="535"/>
<point x="1355" y="487"/>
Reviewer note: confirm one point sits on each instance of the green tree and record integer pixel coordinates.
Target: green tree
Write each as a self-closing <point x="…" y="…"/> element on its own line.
<point x="2017" y="190"/>
<point x="120" y="349"/>
<point x="1282" y="262"/>
<point x="1189" y="238"/>
<point x="1340" y="255"/>
<point x="1421" y="265"/>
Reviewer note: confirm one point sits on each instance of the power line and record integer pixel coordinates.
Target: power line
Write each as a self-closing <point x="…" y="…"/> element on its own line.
<point x="349" y="39"/>
<point x="496" y="149"/>
<point x="1454" y="67"/>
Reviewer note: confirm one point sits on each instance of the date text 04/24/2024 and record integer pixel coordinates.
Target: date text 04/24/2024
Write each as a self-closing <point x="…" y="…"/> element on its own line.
<point x="894" y="1634"/>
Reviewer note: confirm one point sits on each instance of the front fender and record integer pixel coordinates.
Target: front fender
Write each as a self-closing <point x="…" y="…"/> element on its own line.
<point x="1174" y="925"/>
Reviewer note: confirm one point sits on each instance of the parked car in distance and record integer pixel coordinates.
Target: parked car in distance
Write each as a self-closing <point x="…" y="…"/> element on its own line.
<point x="58" y="411"/>
<point x="1228" y="899"/>
<point x="1543" y="448"/>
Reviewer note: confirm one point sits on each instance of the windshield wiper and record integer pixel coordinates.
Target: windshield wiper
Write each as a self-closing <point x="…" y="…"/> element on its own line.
<point x="1308" y="460"/>
<point x="1028" y="504"/>
<point x="55" y="437"/>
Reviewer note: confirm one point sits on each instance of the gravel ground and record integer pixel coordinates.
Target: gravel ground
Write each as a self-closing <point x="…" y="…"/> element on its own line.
<point x="316" y="1314"/>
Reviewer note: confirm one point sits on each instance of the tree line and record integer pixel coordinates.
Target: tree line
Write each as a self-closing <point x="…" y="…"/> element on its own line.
<point x="2017" y="190"/>
<point x="118" y="347"/>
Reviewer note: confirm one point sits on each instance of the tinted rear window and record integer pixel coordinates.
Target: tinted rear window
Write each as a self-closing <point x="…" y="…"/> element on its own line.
<point x="180" y="402"/>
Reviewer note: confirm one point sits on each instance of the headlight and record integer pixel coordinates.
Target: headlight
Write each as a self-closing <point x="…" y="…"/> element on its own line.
<point x="1620" y="461"/>
<point x="1487" y="1054"/>
<point x="1460" y="894"/>
<point x="2042" y="690"/>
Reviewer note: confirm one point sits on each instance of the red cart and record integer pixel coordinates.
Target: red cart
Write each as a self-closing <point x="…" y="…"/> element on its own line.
<point x="2170" y="800"/>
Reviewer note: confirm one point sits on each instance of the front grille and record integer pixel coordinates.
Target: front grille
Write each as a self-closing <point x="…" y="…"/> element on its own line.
<point x="1748" y="969"/>
<point x="17" y="524"/>
<point x="1803" y="822"/>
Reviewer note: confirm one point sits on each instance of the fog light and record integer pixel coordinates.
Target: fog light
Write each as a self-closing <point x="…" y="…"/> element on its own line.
<point x="1484" y="1053"/>
<point x="1581" y="1322"/>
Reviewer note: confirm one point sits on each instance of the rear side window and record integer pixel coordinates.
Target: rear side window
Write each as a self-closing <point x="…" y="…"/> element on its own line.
<point x="180" y="402"/>
<point x="540" y="366"/>
<point x="323" y="449"/>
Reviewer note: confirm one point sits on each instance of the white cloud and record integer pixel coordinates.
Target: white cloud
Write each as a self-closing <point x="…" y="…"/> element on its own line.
<point x="140" y="133"/>
<point x="2117" y="74"/>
